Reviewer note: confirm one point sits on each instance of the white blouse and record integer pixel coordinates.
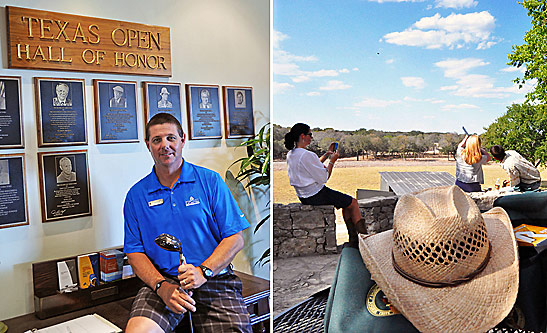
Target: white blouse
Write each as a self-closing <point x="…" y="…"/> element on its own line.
<point x="306" y="172"/>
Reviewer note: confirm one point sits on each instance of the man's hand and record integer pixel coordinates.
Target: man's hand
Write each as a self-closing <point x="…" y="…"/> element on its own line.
<point x="177" y="300"/>
<point x="191" y="277"/>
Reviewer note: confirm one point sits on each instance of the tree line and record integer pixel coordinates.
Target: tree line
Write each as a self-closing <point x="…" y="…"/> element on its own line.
<point x="523" y="128"/>
<point x="373" y="143"/>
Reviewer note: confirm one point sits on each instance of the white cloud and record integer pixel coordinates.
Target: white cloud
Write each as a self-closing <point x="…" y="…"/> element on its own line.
<point x="375" y="103"/>
<point x="347" y="108"/>
<point x="456" y="4"/>
<point x="413" y="82"/>
<point x="512" y="69"/>
<point x="454" y="68"/>
<point x="355" y="69"/>
<point x="453" y="31"/>
<point x="335" y="85"/>
<point x="277" y="38"/>
<point x="288" y="64"/>
<point x="427" y="100"/>
<point x="300" y="78"/>
<point x="313" y="93"/>
<point x="323" y="73"/>
<point x="280" y="88"/>
<point x="469" y="84"/>
<point x="459" y="107"/>
<point x="390" y="61"/>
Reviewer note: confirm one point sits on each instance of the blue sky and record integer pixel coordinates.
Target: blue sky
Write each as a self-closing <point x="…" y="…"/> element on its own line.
<point x="430" y="65"/>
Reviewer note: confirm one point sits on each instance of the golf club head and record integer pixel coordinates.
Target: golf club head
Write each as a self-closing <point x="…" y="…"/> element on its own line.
<point x="168" y="242"/>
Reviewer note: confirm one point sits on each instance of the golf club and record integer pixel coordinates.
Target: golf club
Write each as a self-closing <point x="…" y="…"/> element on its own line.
<point x="172" y="243"/>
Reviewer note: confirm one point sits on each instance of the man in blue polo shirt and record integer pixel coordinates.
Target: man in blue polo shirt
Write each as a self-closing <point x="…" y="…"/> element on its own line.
<point x="195" y="205"/>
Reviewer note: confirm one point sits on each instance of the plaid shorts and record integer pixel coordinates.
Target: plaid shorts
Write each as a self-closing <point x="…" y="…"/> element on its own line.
<point x="219" y="307"/>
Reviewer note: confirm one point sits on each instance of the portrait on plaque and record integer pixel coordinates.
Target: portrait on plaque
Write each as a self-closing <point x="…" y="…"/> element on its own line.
<point x="66" y="174"/>
<point x="118" y="101"/>
<point x="13" y="196"/>
<point x="162" y="97"/>
<point x="203" y="108"/>
<point x="115" y="111"/>
<point x="60" y="112"/>
<point x="11" y="122"/>
<point x="238" y="112"/>
<point x="64" y="185"/>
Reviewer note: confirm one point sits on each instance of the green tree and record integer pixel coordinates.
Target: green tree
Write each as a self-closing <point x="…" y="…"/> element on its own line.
<point x="532" y="53"/>
<point x="522" y="128"/>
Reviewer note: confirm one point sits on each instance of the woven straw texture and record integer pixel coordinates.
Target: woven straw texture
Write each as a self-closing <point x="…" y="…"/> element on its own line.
<point x="436" y="216"/>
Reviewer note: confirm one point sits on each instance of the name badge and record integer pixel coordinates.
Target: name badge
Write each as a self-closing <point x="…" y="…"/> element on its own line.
<point x="155" y="202"/>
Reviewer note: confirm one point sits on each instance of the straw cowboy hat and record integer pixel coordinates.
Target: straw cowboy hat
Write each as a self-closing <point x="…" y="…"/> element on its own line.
<point x="445" y="266"/>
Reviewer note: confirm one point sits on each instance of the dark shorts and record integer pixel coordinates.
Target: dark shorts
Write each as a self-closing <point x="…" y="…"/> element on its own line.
<point x="328" y="196"/>
<point x="523" y="187"/>
<point x="219" y="307"/>
<point x="469" y="187"/>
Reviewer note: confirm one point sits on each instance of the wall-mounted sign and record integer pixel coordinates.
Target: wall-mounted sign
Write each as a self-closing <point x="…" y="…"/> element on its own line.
<point x="40" y="39"/>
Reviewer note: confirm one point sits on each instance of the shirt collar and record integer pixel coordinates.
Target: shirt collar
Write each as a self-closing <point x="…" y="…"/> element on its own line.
<point x="187" y="175"/>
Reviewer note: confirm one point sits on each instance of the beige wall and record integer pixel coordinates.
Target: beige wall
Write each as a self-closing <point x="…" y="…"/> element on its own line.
<point x="224" y="42"/>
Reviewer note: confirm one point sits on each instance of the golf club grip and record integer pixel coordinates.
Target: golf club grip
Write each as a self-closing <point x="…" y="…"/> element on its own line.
<point x="183" y="261"/>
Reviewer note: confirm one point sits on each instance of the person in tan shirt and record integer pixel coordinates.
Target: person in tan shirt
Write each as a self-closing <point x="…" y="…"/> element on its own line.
<point x="523" y="175"/>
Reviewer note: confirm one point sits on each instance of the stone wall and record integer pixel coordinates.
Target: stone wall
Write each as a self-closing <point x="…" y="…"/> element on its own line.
<point x="378" y="213"/>
<point x="301" y="230"/>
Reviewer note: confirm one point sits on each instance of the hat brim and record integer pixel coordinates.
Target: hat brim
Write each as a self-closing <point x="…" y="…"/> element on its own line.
<point x="473" y="306"/>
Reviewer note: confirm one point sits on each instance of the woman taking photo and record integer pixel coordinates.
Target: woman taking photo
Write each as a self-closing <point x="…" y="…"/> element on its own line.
<point x="308" y="175"/>
<point x="469" y="160"/>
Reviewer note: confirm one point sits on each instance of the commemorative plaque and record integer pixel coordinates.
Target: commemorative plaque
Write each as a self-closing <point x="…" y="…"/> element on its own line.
<point x="162" y="97"/>
<point x="60" y="112"/>
<point x="64" y="185"/>
<point x="238" y="112"/>
<point x="11" y="124"/>
<point x="115" y="111"/>
<point x="13" y="194"/>
<point x="203" y="107"/>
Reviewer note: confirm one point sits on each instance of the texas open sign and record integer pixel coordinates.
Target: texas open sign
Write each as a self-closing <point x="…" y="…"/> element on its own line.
<point x="47" y="40"/>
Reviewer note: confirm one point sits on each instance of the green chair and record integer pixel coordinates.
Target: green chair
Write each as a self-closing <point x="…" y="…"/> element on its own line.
<point x="354" y="305"/>
<point x="531" y="305"/>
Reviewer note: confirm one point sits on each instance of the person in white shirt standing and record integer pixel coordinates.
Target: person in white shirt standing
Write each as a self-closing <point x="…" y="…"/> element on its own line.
<point x="308" y="175"/>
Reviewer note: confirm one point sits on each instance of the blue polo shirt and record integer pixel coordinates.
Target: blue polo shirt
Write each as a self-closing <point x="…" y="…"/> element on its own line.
<point x="199" y="210"/>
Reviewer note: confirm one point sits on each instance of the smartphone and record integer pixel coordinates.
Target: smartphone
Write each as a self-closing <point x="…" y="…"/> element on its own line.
<point x="335" y="146"/>
<point x="465" y="131"/>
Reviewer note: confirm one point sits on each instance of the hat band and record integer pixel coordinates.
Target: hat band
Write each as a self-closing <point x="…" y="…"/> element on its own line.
<point x="453" y="283"/>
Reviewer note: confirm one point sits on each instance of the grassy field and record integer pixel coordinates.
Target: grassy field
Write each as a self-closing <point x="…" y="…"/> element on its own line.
<point x="349" y="179"/>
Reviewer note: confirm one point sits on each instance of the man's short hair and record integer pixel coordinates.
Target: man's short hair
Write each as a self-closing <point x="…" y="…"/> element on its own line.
<point x="61" y="84"/>
<point x="64" y="159"/>
<point x="498" y="152"/>
<point x="163" y="118"/>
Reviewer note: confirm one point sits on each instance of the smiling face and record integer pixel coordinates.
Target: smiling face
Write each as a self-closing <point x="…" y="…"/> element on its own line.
<point x="165" y="145"/>
<point x="66" y="166"/>
<point x="62" y="91"/>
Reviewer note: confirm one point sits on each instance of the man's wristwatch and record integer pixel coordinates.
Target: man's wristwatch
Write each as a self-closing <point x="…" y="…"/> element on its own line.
<point x="158" y="285"/>
<point x="207" y="272"/>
